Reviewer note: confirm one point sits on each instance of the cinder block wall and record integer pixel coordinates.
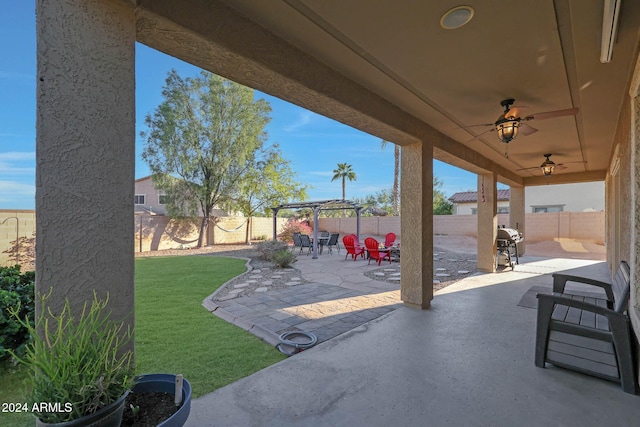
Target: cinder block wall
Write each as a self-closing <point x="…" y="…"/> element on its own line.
<point x="585" y="226"/>
<point x="24" y="226"/>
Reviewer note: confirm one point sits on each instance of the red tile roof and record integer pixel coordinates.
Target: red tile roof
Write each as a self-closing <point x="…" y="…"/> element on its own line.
<point x="472" y="196"/>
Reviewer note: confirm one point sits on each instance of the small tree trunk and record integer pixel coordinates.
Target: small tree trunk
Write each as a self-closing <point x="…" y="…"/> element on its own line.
<point x="204" y="227"/>
<point x="247" y="235"/>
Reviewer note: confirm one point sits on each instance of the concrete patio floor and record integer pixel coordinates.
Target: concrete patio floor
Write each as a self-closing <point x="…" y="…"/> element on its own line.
<point x="468" y="360"/>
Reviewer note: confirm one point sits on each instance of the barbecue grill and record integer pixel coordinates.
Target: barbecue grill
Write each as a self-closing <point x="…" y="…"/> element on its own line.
<point x="508" y="239"/>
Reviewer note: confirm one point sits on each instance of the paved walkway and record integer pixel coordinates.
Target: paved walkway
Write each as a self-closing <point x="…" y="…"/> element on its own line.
<point x="339" y="298"/>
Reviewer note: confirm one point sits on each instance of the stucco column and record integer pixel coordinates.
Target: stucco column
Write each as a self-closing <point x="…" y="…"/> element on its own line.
<point x="634" y="300"/>
<point x="517" y="214"/>
<point x="85" y="139"/>
<point x="416" y="225"/>
<point x="487" y="221"/>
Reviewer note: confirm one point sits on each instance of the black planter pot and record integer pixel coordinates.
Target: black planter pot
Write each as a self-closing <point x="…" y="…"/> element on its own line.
<point x="109" y="416"/>
<point x="165" y="383"/>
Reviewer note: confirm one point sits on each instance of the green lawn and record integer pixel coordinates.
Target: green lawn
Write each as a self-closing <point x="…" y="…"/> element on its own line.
<point x="174" y="333"/>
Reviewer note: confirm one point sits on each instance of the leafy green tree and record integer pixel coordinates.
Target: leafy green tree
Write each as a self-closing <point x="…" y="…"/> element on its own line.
<point x="201" y="141"/>
<point x="441" y="206"/>
<point x="270" y="182"/>
<point x="344" y="172"/>
<point x="396" y="176"/>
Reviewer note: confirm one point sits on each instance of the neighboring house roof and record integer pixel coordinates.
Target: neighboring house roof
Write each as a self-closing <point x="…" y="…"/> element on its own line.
<point x="472" y="196"/>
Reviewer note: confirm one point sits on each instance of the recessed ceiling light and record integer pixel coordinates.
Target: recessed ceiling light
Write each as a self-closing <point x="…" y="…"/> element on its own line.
<point x="456" y="17"/>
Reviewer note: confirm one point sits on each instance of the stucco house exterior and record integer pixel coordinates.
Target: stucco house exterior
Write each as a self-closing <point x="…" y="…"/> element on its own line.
<point x="579" y="197"/>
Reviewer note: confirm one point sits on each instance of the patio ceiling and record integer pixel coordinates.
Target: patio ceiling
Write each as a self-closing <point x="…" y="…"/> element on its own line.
<point x="545" y="54"/>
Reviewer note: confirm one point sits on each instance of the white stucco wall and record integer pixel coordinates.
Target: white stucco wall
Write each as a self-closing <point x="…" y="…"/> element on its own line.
<point x="580" y="197"/>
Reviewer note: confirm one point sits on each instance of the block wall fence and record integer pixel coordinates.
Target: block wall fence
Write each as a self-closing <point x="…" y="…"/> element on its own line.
<point x="154" y="233"/>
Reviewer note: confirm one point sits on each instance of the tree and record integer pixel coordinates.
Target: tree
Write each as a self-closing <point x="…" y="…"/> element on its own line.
<point x="441" y="206"/>
<point x="269" y="182"/>
<point x="396" y="176"/>
<point x="201" y="140"/>
<point x="344" y="172"/>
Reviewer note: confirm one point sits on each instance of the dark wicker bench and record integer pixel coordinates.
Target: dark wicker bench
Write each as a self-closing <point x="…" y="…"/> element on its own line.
<point x="586" y="334"/>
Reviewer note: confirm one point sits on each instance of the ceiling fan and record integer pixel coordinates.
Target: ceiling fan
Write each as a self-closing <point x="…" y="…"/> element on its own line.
<point x="549" y="166"/>
<point x="509" y="124"/>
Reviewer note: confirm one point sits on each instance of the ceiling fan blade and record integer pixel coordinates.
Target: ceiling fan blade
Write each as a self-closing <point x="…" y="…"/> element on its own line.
<point x="551" y="114"/>
<point x="478" y="125"/>
<point x="526" y="169"/>
<point x="527" y="130"/>
<point x="483" y="133"/>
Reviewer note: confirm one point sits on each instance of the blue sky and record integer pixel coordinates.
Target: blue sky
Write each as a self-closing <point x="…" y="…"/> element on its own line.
<point x="313" y="143"/>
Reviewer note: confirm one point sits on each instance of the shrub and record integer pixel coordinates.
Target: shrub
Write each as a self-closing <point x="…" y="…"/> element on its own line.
<point x="283" y="258"/>
<point x="293" y="226"/>
<point x="16" y="292"/>
<point x="268" y="248"/>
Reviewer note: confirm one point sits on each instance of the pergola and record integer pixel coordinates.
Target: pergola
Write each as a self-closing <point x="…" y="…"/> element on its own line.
<point x="317" y="206"/>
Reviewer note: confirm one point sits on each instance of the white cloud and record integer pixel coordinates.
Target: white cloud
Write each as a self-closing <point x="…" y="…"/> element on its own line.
<point x="320" y="173"/>
<point x="14" y="188"/>
<point x="18" y="156"/>
<point x="304" y="118"/>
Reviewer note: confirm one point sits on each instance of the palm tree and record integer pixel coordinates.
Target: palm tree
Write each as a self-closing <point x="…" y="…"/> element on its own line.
<point x="345" y="172"/>
<point x="396" y="175"/>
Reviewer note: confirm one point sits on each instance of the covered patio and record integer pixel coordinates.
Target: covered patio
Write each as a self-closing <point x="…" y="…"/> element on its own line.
<point x="467" y="361"/>
<point x="405" y="72"/>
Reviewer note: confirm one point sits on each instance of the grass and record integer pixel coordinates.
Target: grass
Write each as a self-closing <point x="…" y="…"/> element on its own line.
<point x="173" y="332"/>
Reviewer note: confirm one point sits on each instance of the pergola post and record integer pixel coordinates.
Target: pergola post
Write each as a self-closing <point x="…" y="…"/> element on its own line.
<point x="358" y="209"/>
<point x="275" y="223"/>
<point x="315" y="231"/>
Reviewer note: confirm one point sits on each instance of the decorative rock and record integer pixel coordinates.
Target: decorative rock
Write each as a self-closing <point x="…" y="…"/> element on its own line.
<point x="452" y="259"/>
<point x="252" y="281"/>
<point x="442" y="275"/>
<point x="241" y="285"/>
<point x="394" y="279"/>
<point x="389" y="269"/>
<point x="292" y="283"/>
<point x="267" y="283"/>
<point x="227" y="297"/>
<point x="262" y="289"/>
<point x="463" y="272"/>
<point x="235" y="291"/>
<point x="394" y="274"/>
<point x="441" y="269"/>
<point x="276" y="276"/>
<point x="436" y="259"/>
<point x="296" y="279"/>
<point x="378" y="274"/>
<point x="436" y="282"/>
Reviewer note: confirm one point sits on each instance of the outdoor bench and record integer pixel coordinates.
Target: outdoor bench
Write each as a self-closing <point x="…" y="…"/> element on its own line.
<point x="588" y="334"/>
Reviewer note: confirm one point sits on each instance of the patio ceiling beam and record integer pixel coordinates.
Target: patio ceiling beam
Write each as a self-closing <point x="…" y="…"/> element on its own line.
<point x="566" y="178"/>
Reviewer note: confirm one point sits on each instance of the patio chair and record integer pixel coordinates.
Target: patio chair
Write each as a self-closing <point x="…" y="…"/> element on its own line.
<point x="349" y="245"/>
<point x="356" y="242"/>
<point x="333" y="241"/>
<point x="373" y="247"/>
<point x="389" y="240"/>
<point x="297" y="243"/>
<point x="305" y="242"/>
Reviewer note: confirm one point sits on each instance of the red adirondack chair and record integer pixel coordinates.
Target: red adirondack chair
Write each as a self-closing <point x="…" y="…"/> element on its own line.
<point x="373" y="247"/>
<point x="350" y="246"/>
<point x="389" y="240"/>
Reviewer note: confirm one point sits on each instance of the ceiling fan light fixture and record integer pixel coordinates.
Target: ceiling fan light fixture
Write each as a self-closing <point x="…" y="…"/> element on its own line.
<point x="548" y="167"/>
<point x="507" y="130"/>
<point x="456" y="17"/>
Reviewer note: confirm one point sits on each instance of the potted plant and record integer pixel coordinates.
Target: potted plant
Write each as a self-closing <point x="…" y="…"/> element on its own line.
<point x="163" y="400"/>
<point x="81" y="372"/>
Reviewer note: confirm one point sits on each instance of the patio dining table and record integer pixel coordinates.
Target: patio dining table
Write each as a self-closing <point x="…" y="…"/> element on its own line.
<point x="322" y="241"/>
